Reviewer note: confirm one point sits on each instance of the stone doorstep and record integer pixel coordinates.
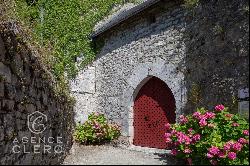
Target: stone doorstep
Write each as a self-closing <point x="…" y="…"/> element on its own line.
<point x="146" y="149"/>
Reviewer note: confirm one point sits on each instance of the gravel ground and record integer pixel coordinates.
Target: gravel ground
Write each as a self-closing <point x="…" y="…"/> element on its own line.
<point x="109" y="155"/>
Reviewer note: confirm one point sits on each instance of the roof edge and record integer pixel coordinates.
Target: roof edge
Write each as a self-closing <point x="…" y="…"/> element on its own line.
<point x="129" y="13"/>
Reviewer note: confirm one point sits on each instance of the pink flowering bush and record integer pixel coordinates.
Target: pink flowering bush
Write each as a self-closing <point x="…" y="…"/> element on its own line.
<point x="210" y="137"/>
<point x="96" y="130"/>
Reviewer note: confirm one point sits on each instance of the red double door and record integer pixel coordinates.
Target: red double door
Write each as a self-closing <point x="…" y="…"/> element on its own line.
<point x="154" y="106"/>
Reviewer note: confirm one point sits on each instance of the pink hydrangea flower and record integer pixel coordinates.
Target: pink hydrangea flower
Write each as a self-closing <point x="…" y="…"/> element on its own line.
<point x="187" y="150"/>
<point x="174" y="152"/>
<point x="190" y="130"/>
<point x="177" y="143"/>
<point x="167" y="135"/>
<point x="235" y="125"/>
<point x="210" y="115"/>
<point x="231" y="142"/>
<point x="168" y="126"/>
<point x="227" y="146"/>
<point x="219" y="107"/>
<point x="196" y="137"/>
<point x="179" y="133"/>
<point x="222" y="155"/>
<point x="209" y="155"/>
<point x="203" y="122"/>
<point x="182" y="137"/>
<point x="188" y="142"/>
<point x="96" y="125"/>
<point x="231" y="155"/>
<point x="173" y="132"/>
<point x="168" y="140"/>
<point x="237" y="146"/>
<point x="183" y="119"/>
<point x="197" y="115"/>
<point x="242" y="140"/>
<point x="245" y="132"/>
<point x="214" y="150"/>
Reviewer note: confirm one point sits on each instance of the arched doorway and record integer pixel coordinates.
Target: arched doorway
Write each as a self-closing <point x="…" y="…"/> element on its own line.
<point x="154" y="106"/>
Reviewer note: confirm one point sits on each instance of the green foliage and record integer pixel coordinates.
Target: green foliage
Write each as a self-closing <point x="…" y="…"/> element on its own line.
<point x="195" y="94"/>
<point x="246" y="9"/>
<point x="210" y="137"/>
<point x="96" y="130"/>
<point x="218" y="30"/>
<point x="66" y="25"/>
<point x="191" y="3"/>
<point x="58" y="30"/>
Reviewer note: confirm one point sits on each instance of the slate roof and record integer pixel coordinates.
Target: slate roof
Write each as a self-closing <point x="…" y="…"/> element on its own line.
<point x="123" y="16"/>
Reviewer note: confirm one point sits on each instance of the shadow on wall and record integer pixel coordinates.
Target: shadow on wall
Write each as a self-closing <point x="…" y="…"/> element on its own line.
<point x="217" y="53"/>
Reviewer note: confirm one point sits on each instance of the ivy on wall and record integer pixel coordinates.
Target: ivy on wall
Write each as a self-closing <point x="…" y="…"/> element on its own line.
<point x="57" y="31"/>
<point x="65" y="25"/>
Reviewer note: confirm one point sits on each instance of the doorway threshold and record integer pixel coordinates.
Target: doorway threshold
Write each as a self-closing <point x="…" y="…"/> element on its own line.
<point x="148" y="150"/>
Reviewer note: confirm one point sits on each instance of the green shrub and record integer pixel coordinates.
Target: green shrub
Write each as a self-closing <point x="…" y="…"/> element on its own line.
<point x="96" y="130"/>
<point x="210" y="137"/>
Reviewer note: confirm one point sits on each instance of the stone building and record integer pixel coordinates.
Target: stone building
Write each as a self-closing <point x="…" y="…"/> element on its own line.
<point x="159" y="59"/>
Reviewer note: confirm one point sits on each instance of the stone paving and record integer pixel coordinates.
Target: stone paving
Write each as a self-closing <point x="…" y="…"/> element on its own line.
<point x="110" y="155"/>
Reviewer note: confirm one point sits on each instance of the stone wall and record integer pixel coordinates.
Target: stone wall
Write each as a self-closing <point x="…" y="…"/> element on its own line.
<point x="200" y="53"/>
<point x="26" y="91"/>
<point x="217" y="53"/>
<point x="131" y="54"/>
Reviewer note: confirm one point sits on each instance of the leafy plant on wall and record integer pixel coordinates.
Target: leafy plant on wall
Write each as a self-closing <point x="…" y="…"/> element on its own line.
<point x="66" y="25"/>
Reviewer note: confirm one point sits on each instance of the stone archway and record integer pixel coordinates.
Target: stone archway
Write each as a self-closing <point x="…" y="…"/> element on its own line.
<point x="168" y="73"/>
<point x="154" y="106"/>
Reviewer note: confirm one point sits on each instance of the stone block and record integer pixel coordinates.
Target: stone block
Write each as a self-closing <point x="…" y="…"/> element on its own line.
<point x="10" y="91"/>
<point x="84" y="106"/>
<point x="9" y="133"/>
<point x="28" y="159"/>
<point x="1" y="89"/>
<point x="2" y="49"/>
<point x="5" y="73"/>
<point x="30" y="108"/>
<point x="2" y="133"/>
<point x="8" y="105"/>
<point x="22" y="134"/>
<point x="20" y="124"/>
<point x="8" y="120"/>
<point x="85" y="81"/>
<point x="17" y="65"/>
<point x="44" y="98"/>
<point x="140" y="72"/>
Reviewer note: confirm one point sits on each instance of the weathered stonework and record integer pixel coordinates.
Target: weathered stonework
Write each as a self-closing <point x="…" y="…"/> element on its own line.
<point x="23" y="91"/>
<point x="131" y="55"/>
<point x="181" y="47"/>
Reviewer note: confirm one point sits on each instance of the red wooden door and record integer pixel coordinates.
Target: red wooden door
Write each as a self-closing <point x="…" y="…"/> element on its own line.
<point x="154" y="106"/>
